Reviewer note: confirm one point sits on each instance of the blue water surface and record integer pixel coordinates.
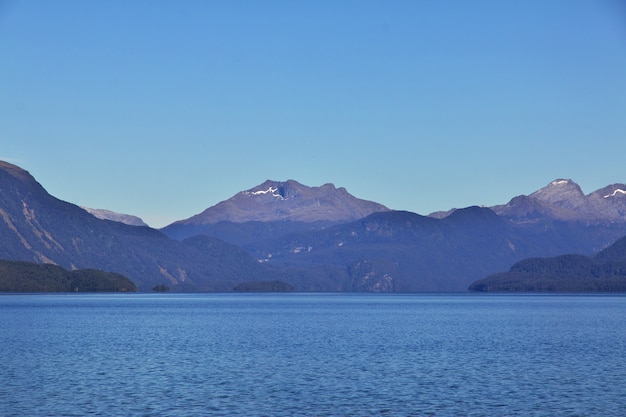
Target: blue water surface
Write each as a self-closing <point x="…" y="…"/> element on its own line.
<point x="312" y="355"/>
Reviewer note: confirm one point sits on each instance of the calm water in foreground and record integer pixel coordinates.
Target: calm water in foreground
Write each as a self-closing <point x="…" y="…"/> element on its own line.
<point x="312" y="355"/>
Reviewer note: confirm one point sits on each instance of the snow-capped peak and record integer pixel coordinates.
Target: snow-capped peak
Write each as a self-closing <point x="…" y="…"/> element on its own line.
<point x="560" y="182"/>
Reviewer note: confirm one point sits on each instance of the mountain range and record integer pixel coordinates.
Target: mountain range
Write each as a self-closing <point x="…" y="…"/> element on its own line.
<point x="402" y="251"/>
<point x="288" y="235"/>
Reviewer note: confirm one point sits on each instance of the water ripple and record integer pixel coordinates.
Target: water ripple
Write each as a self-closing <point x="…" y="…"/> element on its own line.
<point x="312" y="355"/>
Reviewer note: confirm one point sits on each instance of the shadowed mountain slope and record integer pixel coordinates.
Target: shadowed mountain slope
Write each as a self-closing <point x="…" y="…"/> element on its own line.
<point x="405" y="252"/>
<point x="16" y="276"/>
<point x="604" y="272"/>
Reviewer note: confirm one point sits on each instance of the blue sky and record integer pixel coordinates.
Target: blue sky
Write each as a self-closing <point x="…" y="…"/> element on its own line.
<point x="164" y="108"/>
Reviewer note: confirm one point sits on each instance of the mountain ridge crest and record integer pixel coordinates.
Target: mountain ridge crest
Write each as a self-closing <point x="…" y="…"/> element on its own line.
<point x="564" y="200"/>
<point x="287" y="201"/>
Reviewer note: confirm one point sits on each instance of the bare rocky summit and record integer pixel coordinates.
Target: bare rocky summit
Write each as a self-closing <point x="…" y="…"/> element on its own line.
<point x="288" y="201"/>
<point x="564" y="200"/>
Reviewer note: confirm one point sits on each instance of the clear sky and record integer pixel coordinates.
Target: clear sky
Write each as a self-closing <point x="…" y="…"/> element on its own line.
<point x="164" y="108"/>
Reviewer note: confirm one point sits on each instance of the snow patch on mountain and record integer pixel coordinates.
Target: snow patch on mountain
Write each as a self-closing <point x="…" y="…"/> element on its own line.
<point x="271" y="190"/>
<point x="614" y="193"/>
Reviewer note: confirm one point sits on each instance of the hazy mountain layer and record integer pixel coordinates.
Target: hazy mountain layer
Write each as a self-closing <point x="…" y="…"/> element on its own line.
<point x="116" y="217"/>
<point x="402" y="251"/>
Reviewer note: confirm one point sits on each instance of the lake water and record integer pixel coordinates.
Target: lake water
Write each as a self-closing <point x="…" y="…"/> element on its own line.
<point x="312" y="355"/>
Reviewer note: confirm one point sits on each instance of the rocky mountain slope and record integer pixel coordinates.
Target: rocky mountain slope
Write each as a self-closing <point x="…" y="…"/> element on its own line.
<point x="37" y="227"/>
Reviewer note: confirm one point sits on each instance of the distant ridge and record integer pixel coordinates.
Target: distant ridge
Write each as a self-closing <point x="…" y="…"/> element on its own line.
<point x="116" y="217"/>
